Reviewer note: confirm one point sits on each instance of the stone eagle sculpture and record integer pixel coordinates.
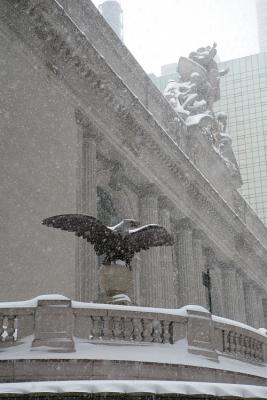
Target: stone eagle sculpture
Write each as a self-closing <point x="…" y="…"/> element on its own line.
<point x="119" y="242"/>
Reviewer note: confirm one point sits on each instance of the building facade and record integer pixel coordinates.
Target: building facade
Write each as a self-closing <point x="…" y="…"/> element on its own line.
<point x="86" y="130"/>
<point x="244" y="99"/>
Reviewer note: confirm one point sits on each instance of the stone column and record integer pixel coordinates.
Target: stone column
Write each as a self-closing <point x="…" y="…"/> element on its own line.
<point x="251" y="304"/>
<point x="264" y="303"/>
<point x="86" y="259"/>
<point x="150" y="272"/>
<point x="241" y="296"/>
<point x="231" y="305"/>
<point x="199" y="297"/>
<point x="216" y="285"/>
<point x="260" y="296"/>
<point x="166" y="257"/>
<point x="185" y="262"/>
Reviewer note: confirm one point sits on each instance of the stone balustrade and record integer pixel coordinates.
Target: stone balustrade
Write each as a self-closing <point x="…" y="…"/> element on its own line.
<point x="239" y="341"/>
<point x="56" y="321"/>
<point x="116" y="324"/>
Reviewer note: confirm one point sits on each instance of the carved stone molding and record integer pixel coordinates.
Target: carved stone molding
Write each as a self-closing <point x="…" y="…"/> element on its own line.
<point x="241" y="244"/>
<point x="227" y="266"/>
<point x="148" y="190"/>
<point x="198" y="235"/>
<point x="185" y="224"/>
<point x="90" y="131"/>
<point x="210" y="257"/>
<point x="166" y="204"/>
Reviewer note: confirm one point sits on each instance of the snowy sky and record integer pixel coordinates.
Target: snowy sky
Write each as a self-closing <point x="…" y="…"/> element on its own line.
<point x="157" y="32"/>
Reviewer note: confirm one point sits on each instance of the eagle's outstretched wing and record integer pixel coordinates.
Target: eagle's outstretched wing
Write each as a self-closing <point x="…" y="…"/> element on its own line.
<point x="88" y="227"/>
<point x="148" y="236"/>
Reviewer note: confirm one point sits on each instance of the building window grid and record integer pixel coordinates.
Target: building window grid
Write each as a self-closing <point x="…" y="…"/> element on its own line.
<point x="244" y="98"/>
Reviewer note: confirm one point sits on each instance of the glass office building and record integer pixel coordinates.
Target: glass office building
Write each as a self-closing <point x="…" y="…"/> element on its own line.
<point x="244" y="99"/>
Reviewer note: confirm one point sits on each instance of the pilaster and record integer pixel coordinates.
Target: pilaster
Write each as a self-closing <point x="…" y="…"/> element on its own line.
<point x="231" y="305"/>
<point x="86" y="259"/>
<point x="251" y="304"/>
<point x="260" y="296"/>
<point x="241" y="296"/>
<point x="150" y="272"/>
<point x="198" y="269"/>
<point x="166" y="257"/>
<point x="185" y="261"/>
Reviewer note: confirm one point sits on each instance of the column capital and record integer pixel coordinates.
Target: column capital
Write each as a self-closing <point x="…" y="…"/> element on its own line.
<point x="227" y="266"/>
<point x="241" y="244"/>
<point x="89" y="129"/>
<point x="248" y="283"/>
<point x="148" y="190"/>
<point x="240" y="273"/>
<point x="185" y="224"/>
<point x="165" y="203"/>
<point x="198" y="234"/>
<point x="210" y="255"/>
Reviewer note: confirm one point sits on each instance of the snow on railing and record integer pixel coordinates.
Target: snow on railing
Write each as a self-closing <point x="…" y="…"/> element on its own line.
<point x="133" y="326"/>
<point x="54" y="320"/>
<point x="239" y="342"/>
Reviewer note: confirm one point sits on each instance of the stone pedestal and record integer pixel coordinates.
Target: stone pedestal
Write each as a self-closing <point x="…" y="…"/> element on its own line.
<point x="200" y="334"/>
<point x="54" y="325"/>
<point x="115" y="281"/>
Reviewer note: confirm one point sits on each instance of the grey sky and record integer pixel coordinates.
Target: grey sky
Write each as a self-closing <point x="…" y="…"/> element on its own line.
<point x="157" y="32"/>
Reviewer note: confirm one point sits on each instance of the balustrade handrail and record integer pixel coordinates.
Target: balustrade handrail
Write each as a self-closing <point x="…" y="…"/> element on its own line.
<point x="101" y="322"/>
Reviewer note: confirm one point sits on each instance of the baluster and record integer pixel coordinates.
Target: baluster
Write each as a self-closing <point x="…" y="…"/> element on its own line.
<point x="90" y="328"/>
<point x="242" y="345"/>
<point x="259" y="351"/>
<point x="224" y="341"/>
<point x="15" y="333"/>
<point x="228" y="343"/>
<point x="256" y="350"/>
<point x="253" y="349"/>
<point x="4" y="335"/>
<point x="97" y="327"/>
<point x="128" y="329"/>
<point x="117" y="328"/>
<point x="232" y="343"/>
<point x="246" y="345"/>
<point x="138" y="330"/>
<point x="157" y="331"/>
<point x="166" y="332"/>
<point x="261" y="356"/>
<point x="107" y="334"/>
<point x="238" y="345"/>
<point x="148" y="329"/>
<point x="249" y="350"/>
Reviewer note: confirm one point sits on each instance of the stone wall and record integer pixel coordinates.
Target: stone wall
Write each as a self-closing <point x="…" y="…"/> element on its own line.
<point x="37" y="173"/>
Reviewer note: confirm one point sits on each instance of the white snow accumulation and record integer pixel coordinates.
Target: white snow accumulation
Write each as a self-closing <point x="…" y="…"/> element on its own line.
<point x="180" y="311"/>
<point x="134" y="386"/>
<point x="176" y="353"/>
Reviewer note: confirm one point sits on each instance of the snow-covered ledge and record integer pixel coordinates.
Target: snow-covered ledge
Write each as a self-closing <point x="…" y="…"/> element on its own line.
<point x="54" y="327"/>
